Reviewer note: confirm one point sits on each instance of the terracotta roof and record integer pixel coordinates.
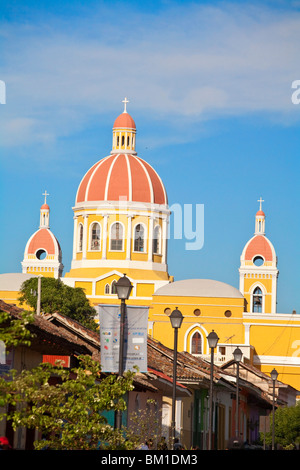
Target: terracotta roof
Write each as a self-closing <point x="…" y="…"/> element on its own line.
<point x="260" y="213"/>
<point x="48" y="339"/>
<point x="259" y="245"/>
<point x="124" y="120"/>
<point x="120" y="176"/>
<point x="190" y="369"/>
<point x="43" y="239"/>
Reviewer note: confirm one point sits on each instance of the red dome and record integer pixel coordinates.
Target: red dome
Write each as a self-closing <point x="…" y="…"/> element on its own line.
<point x="124" y="121"/>
<point x="45" y="206"/>
<point x="43" y="239"/>
<point x="260" y="213"/>
<point x="122" y="176"/>
<point x="259" y="245"/>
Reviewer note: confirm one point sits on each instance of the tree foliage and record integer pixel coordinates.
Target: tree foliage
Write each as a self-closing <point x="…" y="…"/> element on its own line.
<point x="58" y="297"/>
<point x="287" y="427"/>
<point x="69" y="413"/>
<point x="13" y="331"/>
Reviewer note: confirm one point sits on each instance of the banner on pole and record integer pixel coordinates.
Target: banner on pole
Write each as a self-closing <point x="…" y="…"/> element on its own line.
<point x="135" y="337"/>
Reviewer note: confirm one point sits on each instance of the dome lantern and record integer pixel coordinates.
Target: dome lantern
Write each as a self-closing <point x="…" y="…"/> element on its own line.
<point x="45" y="213"/>
<point x="260" y="220"/>
<point x="124" y="132"/>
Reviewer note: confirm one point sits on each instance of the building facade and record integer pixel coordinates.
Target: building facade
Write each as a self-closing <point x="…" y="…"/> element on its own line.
<point x="121" y="217"/>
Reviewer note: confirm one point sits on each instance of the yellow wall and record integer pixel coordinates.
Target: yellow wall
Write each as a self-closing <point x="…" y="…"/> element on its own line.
<point x="116" y="255"/>
<point x="212" y="317"/>
<point x="42" y="272"/>
<point x="249" y="283"/>
<point x="144" y="289"/>
<point x="86" y="286"/>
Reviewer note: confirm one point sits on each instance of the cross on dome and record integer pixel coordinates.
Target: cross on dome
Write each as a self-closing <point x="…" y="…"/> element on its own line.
<point x="45" y="194"/>
<point x="260" y="200"/>
<point x="125" y="101"/>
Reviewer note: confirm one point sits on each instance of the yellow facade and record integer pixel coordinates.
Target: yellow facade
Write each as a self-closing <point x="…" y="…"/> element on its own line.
<point x="95" y="268"/>
<point x="201" y="314"/>
<point x="244" y="317"/>
<point x="266" y="286"/>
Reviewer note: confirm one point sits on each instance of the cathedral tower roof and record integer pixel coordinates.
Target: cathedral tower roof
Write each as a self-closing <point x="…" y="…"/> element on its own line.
<point x="122" y="175"/>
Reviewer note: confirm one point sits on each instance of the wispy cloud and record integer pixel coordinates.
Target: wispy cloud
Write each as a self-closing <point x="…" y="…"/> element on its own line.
<point x="193" y="63"/>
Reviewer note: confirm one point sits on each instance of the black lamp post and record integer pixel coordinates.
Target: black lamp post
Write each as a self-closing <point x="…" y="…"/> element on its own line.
<point x="123" y="288"/>
<point x="212" y="339"/>
<point x="237" y="354"/>
<point x="274" y="375"/>
<point x="176" y="321"/>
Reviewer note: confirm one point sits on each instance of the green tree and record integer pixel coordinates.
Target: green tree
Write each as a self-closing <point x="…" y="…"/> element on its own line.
<point x="13" y="331"/>
<point x="69" y="413"/>
<point x="287" y="427"/>
<point x="58" y="297"/>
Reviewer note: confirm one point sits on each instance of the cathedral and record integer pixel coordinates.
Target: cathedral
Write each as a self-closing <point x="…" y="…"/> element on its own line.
<point x="121" y="217"/>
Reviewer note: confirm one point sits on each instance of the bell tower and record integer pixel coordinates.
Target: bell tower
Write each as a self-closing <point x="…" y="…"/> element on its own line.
<point x="258" y="269"/>
<point x="43" y="254"/>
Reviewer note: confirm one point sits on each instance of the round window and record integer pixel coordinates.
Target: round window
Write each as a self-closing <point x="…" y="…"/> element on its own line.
<point x="258" y="261"/>
<point x="228" y="313"/>
<point x="197" y="312"/>
<point x="41" y="254"/>
<point x="167" y="311"/>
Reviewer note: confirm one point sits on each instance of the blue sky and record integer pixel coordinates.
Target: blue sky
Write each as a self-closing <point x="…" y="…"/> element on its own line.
<point x="209" y="85"/>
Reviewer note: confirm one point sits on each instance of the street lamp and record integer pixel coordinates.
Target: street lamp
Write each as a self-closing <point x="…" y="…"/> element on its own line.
<point x="237" y="354"/>
<point x="212" y="339"/>
<point x="123" y="288"/>
<point x="176" y="321"/>
<point x="274" y="375"/>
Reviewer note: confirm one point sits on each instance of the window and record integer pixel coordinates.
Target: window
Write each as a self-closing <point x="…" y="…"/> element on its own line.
<point x="258" y="261"/>
<point x="41" y="254"/>
<point x="257" y="300"/>
<point x="156" y="240"/>
<point x="116" y="237"/>
<point x="196" y="343"/>
<point x="107" y="289"/>
<point x="139" y="235"/>
<point x="80" y="237"/>
<point x="113" y="287"/>
<point x="95" y="236"/>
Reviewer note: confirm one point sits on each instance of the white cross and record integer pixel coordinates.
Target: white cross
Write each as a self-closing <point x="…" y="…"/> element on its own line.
<point x="45" y="194"/>
<point x="125" y="101"/>
<point x="260" y="201"/>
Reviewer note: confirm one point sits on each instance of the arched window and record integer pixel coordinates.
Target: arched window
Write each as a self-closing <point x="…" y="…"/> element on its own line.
<point x="139" y="238"/>
<point x="196" y="343"/>
<point x="257" y="299"/>
<point x="116" y="237"/>
<point x="107" y="289"/>
<point x="80" y="237"/>
<point x="113" y="287"/>
<point x="95" y="236"/>
<point x="156" y="240"/>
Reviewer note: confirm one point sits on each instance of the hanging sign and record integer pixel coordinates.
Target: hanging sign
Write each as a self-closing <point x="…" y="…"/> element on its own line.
<point x="135" y="337"/>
